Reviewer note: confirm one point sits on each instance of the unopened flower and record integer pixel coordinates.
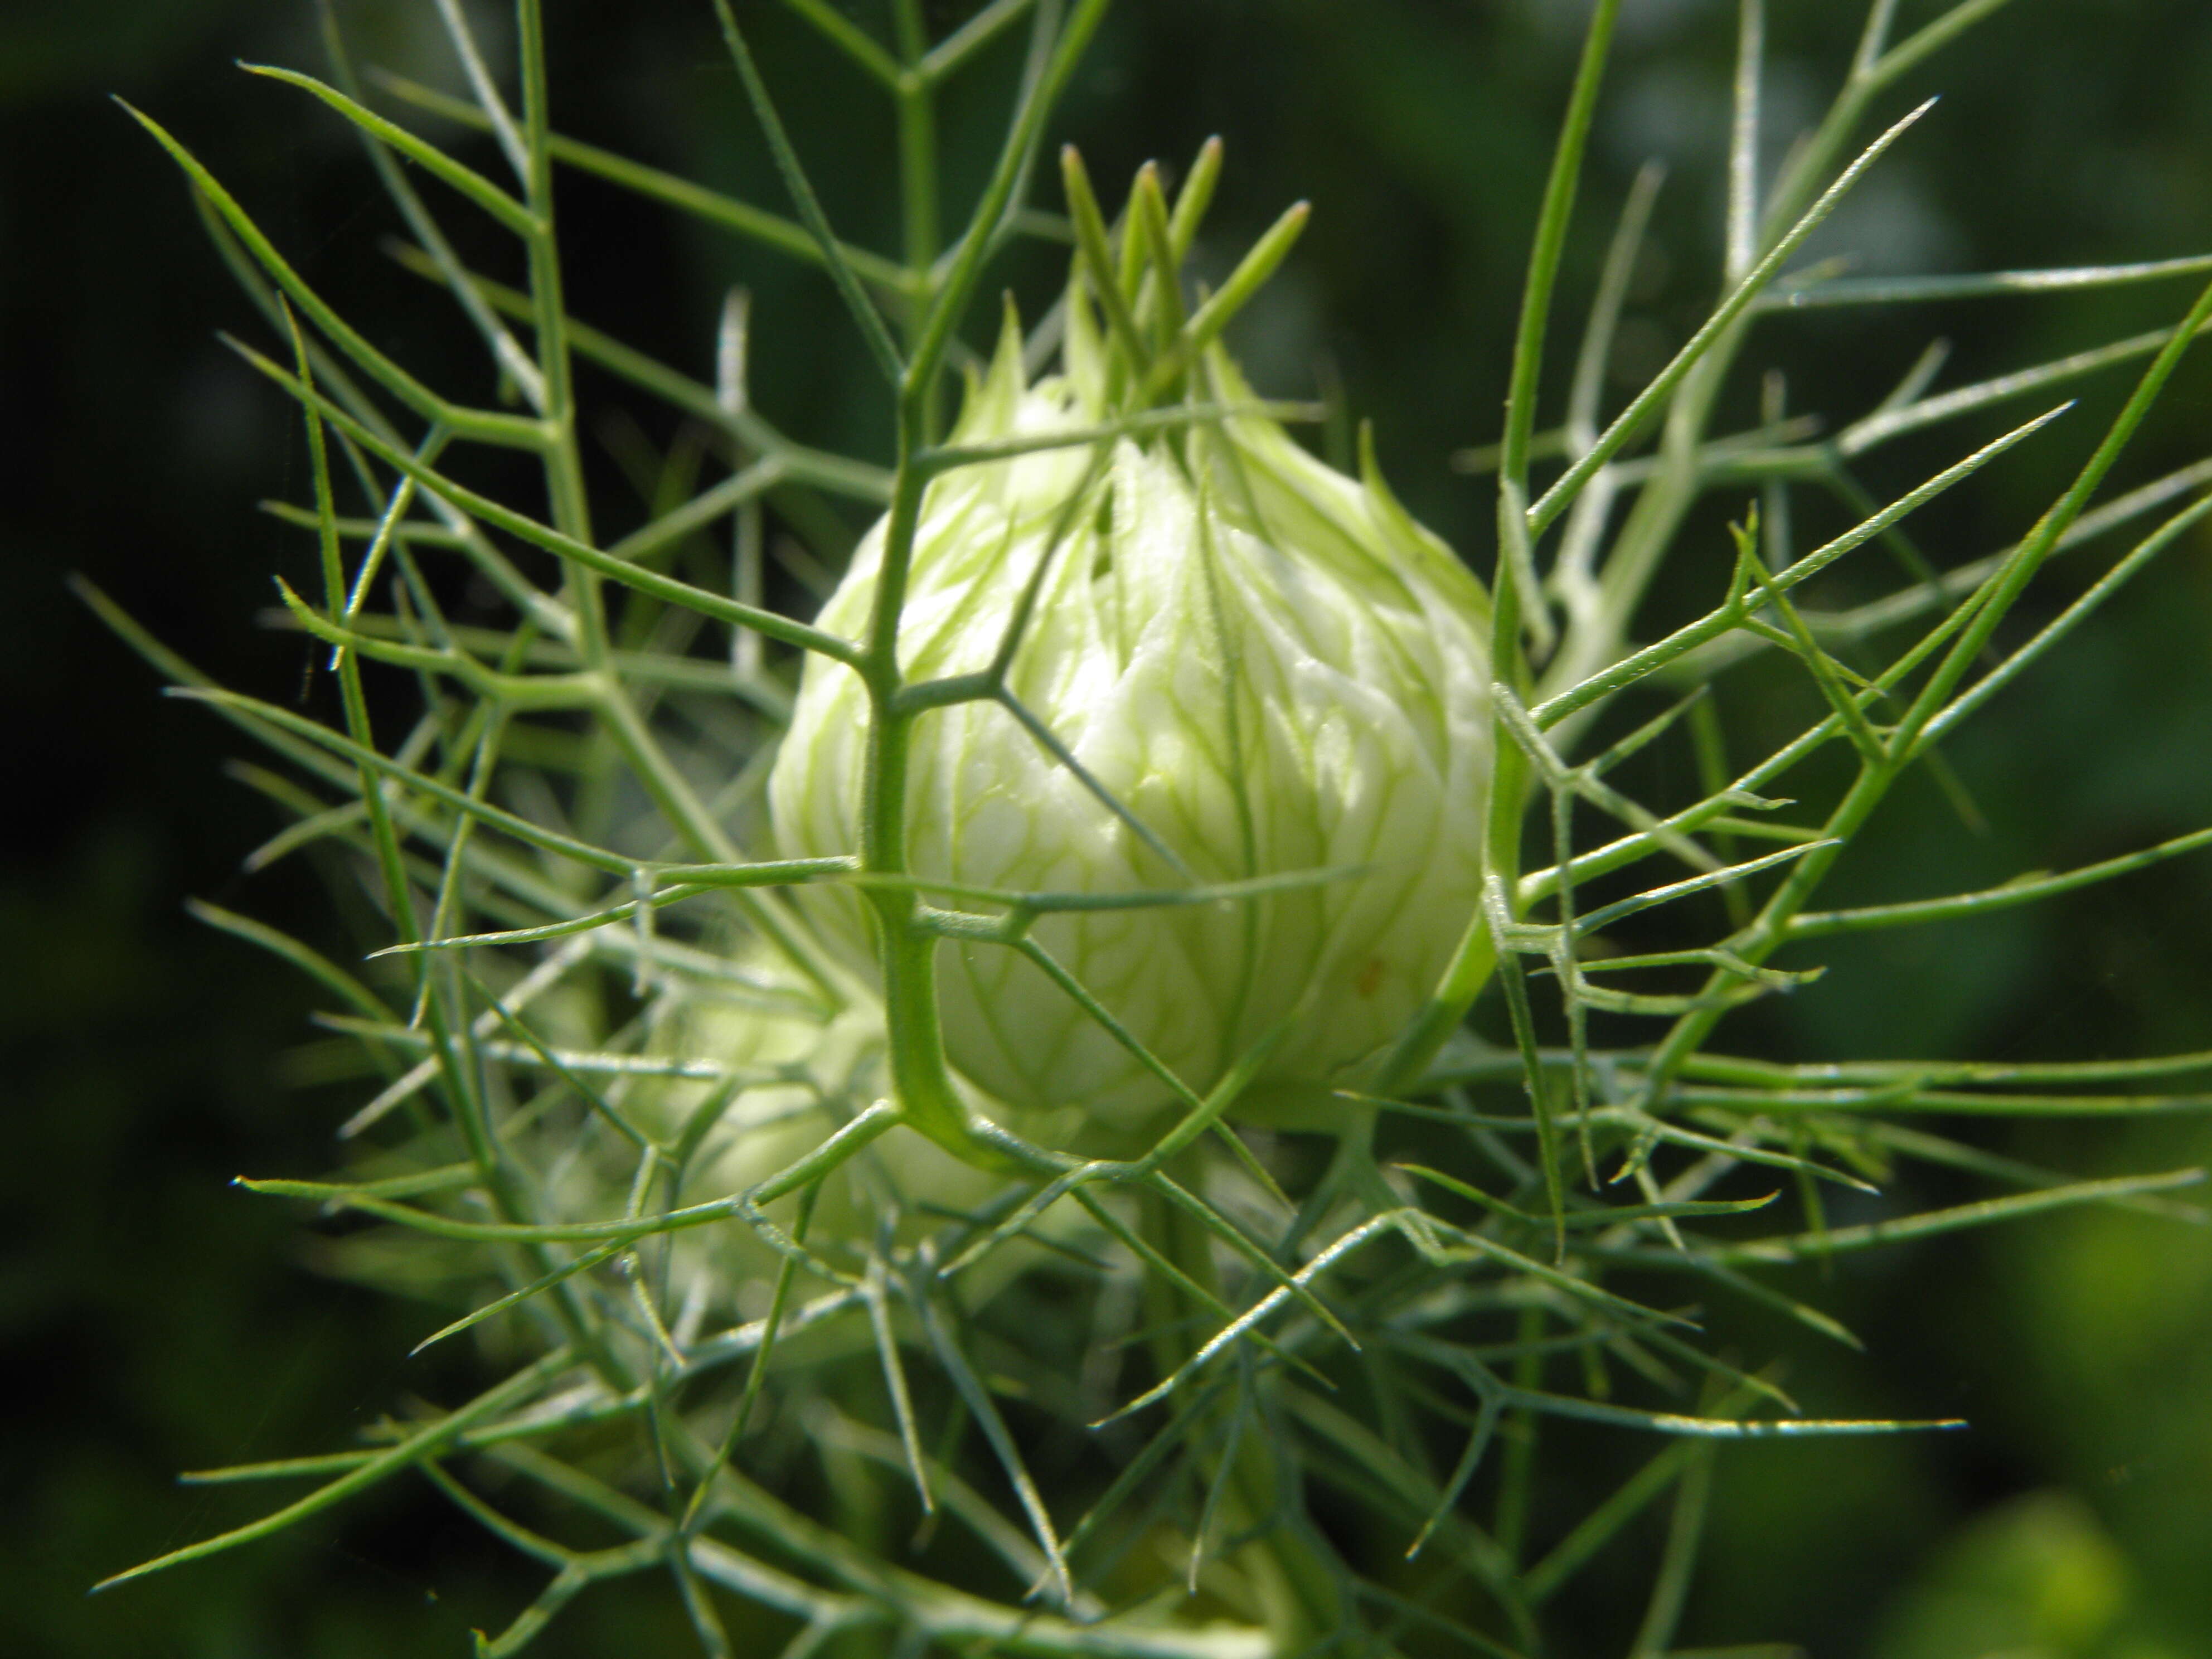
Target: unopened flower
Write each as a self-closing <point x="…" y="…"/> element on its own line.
<point x="772" y="1073"/>
<point x="1264" y="662"/>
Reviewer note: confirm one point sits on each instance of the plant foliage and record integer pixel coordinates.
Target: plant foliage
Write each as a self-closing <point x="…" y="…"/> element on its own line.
<point x="759" y="1273"/>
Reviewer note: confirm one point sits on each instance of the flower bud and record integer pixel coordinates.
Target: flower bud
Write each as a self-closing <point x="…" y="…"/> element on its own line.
<point x="793" y="1073"/>
<point x="1265" y="663"/>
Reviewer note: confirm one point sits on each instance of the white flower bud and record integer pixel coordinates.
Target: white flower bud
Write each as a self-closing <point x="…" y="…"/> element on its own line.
<point x="1266" y="663"/>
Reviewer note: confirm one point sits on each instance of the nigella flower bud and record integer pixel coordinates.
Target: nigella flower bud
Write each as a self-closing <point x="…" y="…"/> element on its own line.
<point x="794" y="1073"/>
<point x="1267" y="663"/>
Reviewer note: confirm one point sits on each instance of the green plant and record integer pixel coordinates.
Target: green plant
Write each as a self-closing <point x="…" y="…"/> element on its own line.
<point x="681" y="1143"/>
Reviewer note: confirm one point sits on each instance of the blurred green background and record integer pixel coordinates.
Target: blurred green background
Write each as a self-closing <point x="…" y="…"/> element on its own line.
<point x="156" y="1320"/>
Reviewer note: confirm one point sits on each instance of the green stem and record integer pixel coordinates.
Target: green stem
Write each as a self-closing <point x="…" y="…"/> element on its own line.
<point x="1519" y="1475"/>
<point x="1516" y="599"/>
<point x="917" y="148"/>
<point x="916" y="95"/>
<point x="1294" y="1582"/>
<point x="920" y="1074"/>
<point x="564" y="464"/>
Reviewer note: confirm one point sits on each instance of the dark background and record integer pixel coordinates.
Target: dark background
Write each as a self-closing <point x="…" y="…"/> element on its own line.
<point x="156" y="1320"/>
